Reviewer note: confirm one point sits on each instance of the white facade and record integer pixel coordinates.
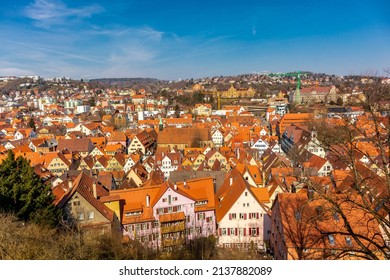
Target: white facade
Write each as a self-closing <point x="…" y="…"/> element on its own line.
<point x="83" y="109"/>
<point x="325" y="169"/>
<point x="128" y="165"/>
<point x="166" y="166"/>
<point x="246" y="223"/>
<point x="260" y="145"/>
<point x="217" y="138"/>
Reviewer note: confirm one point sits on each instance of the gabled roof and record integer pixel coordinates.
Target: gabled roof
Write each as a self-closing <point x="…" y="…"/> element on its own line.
<point x="314" y="220"/>
<point x="228" y="194"/>
<point x="75" y="145"/>
<point x="135" y="200"/>
<point x="83" y="184"/>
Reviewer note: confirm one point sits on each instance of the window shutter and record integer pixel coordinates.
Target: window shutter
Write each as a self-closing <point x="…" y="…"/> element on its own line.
<point x="257" y="231"/>
<point x="197" y="215"/>
<point x="228" y="231"/>
<point x="230" y="216"/>
<point x="220" y="232"/>
<point x="244" y="231"/>
<point x="257" y="215"/>
<point x="245" y="216"/>
<point x="236" y="231"/>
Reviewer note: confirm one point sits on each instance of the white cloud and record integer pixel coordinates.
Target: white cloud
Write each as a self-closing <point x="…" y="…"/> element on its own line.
<point x="51" y="12"/>
<point x="13" y="71"/>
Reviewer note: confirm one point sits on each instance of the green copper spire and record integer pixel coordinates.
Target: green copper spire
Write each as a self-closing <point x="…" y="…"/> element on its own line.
<point x="160" y="124"/>
<point x="297" y="93"/>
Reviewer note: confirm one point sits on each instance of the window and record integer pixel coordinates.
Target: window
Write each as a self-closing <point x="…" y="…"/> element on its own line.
<point x="80" y="216"/>
<point x="233" y="231"/>
<point x="224" y="231"/>
<point x="331" y="239"/>
<point x="91" y="215"/>
<point x="76" y="203"/>
<point x="243" y="216"/>
<point x="201" y="216"/>
<point x="246" y="193"/>
<point x="349" y="241"/>
<point x="254" y="231"/>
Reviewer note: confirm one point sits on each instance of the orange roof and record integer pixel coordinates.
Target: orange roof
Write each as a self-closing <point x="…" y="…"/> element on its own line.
<point x="135" y="200"/>
<point x="227" y="194"/>
<point x="261" y="194"/>
<point x="113" y="148"/>
<point x="298" y="214"/>
<point x="201" y="189"/>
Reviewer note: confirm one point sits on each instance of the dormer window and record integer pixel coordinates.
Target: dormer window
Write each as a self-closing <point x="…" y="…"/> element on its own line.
<point x="331" y="240"/>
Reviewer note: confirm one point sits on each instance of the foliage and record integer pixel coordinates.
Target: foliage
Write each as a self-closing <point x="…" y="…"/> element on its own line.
<point x="24" y="193"/>
<point x="31" y="123"/>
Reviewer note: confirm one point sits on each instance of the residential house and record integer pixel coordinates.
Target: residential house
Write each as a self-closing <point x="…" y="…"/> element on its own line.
<point x="130" y="162"/>
<point x="82" y="146"/>
<point x="57" y="163"/>
<point x="217" y="137"/>
<point x="143" y="141"/>
<point x="168" y="162"/>
<point x="213" y="155"/>
<point x="319" y="164"/>
<point x="80" y="200"/>
<point x="203" y="110"/>
<point x="305" y="226"/>
<point x="182" y="138"/>
<point x="243" y="219"/>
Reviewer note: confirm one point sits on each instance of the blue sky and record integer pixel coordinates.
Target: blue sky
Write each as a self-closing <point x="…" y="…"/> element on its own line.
<point x="184" y="39"/>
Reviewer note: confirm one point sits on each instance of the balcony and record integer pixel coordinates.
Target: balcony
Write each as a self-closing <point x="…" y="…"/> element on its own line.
<point x="172" y="228"/>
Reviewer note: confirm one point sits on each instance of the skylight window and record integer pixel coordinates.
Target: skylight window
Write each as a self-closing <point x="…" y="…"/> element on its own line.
<point x="331" y="239"/>
<point x="349" y="241"/>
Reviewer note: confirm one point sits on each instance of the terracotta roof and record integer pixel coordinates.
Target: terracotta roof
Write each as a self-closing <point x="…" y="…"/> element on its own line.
<point x="186" y="135"/>
<point x="75" y="145"/>
<point x="228" y="194"/>
<point x="135" y="200"/>
<point x="82" y="184"/>
<point x="316" y="219"/>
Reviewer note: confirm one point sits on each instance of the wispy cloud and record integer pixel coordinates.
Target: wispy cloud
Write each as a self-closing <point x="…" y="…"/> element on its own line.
<point x="51" y="12"/>
<point x="14" y="71"/>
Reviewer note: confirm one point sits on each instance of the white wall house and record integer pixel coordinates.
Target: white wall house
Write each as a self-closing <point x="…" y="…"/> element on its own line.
<point x="242" y="219"/>
<point x="217" y="138"/>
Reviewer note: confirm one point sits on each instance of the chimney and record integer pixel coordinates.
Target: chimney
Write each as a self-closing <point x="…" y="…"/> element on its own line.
<point x="185" y="183"/>
<point x="94" y="191"/>
<point x="175" y="186"/>
<point x="231" y="181"/>
<point x="147" y="201"/>
<point x="70" y="184"/>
